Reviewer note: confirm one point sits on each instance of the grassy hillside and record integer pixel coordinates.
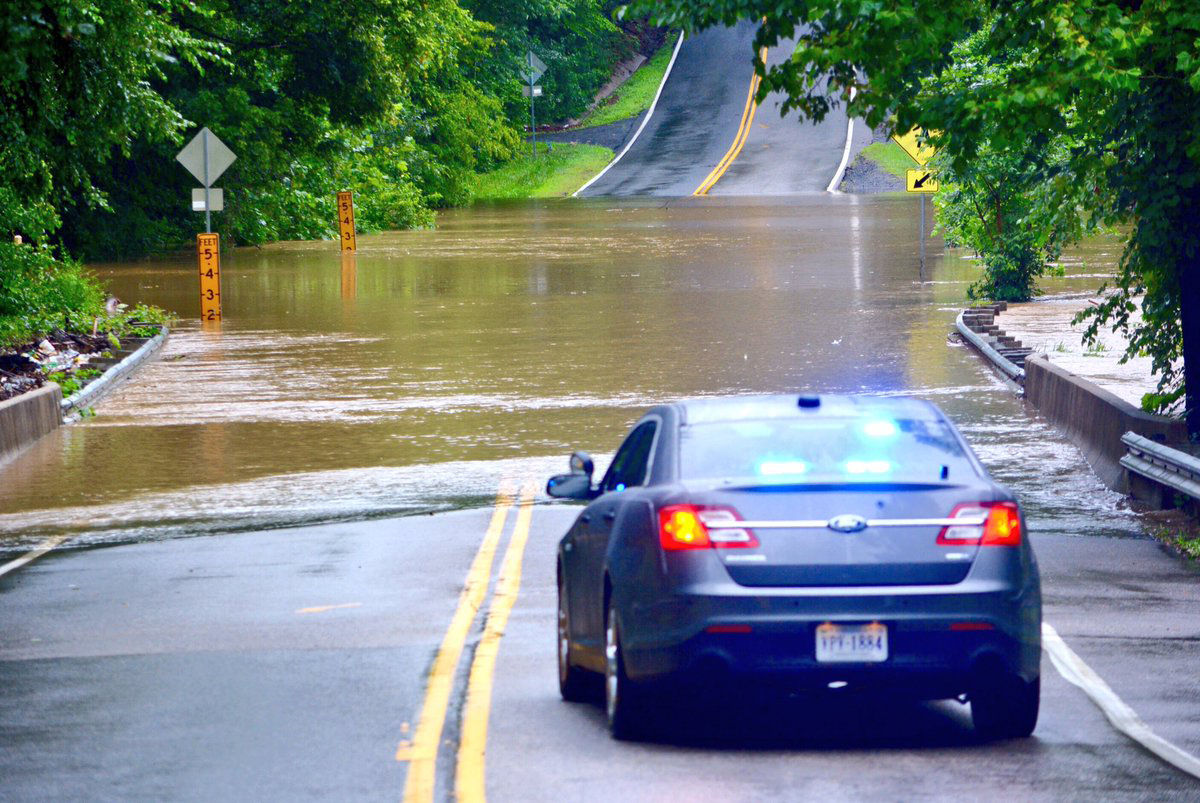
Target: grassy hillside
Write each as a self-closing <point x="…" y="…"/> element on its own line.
<point x="635" y="95"/>
<point x="554" y="173"/>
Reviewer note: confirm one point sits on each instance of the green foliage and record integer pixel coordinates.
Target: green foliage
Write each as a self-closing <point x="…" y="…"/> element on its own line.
<point x="553" y="174"/>
<point x="576" y="39"/>
<point x="72" y="382"/>
<point x="636" y="94"/>
<point x="366" y="95"/>
<point x="38" y="291"/>
<point x="1107" y="92"/>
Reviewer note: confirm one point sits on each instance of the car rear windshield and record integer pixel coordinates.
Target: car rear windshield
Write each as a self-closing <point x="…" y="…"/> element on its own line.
<point x="823" y="450"/>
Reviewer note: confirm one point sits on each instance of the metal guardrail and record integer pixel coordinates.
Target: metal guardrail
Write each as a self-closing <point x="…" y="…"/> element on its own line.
<point x="999" y="360"/>
<point x="89" y="393"/>
<point x="1162" y="464"/>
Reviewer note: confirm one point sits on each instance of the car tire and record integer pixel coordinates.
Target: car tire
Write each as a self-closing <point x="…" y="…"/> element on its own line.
<point x="576" y="685"/>
<point x="1006" y="707"/>
<point x="622" y="699"/>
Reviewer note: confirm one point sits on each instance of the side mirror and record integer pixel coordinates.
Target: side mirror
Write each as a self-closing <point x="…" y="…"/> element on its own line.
<point x="577" y="484"/>
<point x="581" y="463"/>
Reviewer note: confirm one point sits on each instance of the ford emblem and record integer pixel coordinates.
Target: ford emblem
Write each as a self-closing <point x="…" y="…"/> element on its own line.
<point x="848" y="523"/>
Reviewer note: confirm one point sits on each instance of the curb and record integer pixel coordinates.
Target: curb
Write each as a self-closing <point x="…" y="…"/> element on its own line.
<point x="92" y="391"/>
<point x="836" y="181"/>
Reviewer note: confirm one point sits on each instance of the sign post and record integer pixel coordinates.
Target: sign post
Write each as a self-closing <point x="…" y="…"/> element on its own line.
<point x="920" y="181"/>
<point x="349" y="238"/>
<point x="533" y="69"/>
<point x="206" y="158"/>
<point x="208" y="253"/>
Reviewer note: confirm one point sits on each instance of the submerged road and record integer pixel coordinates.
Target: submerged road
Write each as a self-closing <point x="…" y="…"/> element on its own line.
<point x="374" y="660"/>
<point x="703" y="120"/>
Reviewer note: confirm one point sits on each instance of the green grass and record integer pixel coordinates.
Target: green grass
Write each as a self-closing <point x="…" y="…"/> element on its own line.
<point x="553" y="174"/>
<point x="889" y="156"/>
<point x="635" y="95"/>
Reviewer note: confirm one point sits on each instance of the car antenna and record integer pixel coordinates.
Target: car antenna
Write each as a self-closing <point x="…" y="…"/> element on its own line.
<point x="809" y="401"/>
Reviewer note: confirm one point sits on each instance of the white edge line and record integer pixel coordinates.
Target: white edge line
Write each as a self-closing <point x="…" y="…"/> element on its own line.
<point x="646" y="119"/>
<point x="29" y="557"/>
<point x="1122" y="717"/>
<point x="841" y="171"/>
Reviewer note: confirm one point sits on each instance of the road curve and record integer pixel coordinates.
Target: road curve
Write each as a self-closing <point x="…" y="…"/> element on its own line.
<point x="697" y="119"/>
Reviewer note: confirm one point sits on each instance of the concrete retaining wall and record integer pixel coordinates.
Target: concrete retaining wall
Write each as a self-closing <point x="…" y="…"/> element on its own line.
<point x="1094" y="418"/>
<point x="28" y="417"/>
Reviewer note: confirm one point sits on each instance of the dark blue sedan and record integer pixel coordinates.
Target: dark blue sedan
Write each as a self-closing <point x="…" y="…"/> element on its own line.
<point x="804" y="543"/>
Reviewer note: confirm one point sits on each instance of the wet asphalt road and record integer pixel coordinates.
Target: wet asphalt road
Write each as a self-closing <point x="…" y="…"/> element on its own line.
<point x="289" y="665"/>
<point x="784" y="155"/>
<point x="697" y="118"/>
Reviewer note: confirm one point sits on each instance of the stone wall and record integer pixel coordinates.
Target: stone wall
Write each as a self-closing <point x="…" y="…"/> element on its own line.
<point x="27" y="417"/>
<point x="1094" y="418"/>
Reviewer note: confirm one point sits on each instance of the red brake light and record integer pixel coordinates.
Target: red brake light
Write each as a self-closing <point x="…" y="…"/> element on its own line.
<point x="701" y="527"/>
<point x="680" y="528"/>
<point x="1001" y="525"/>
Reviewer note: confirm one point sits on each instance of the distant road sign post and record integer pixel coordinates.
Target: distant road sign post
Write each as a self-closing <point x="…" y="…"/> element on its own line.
<point x="920" y="181"/>
<point x="348" y="236"/>
<point x="206" y="158"/>
<point x="533" y="69"/>
<point x="208" y="253"/>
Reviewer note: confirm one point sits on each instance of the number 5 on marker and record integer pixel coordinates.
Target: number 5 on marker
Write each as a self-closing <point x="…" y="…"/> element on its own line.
<point x="345" y="202"/>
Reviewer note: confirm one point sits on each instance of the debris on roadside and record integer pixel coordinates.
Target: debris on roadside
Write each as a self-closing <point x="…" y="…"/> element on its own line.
<point x="61" y="356"/>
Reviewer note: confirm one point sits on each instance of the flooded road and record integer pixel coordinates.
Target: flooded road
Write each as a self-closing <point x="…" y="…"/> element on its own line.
<point x="415" y="375"/>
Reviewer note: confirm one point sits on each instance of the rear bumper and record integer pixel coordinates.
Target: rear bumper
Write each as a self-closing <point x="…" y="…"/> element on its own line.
<point x="937" y="636"/>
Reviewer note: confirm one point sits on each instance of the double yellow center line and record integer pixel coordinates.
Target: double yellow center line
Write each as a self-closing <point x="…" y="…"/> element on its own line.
<point x="739" y="139"/>
<point x="422" y="752"/>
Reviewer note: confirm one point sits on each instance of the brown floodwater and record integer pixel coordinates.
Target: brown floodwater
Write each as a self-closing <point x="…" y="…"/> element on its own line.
<point x="420" y="373"/>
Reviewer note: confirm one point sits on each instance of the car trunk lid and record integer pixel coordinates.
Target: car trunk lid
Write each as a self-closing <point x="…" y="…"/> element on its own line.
<point x="850" y="535"/>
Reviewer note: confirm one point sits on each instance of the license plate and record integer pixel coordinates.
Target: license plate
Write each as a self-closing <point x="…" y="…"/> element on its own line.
<point x="852" y="643"/>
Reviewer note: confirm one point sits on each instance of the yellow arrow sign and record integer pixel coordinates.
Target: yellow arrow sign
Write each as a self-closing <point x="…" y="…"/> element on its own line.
<point x="922" y="180"/>
<point x="911" y="143"/>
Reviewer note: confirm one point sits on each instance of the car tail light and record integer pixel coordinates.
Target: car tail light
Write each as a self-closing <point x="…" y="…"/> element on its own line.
<point x="701" y="527"/>
<point x="1001" y="525"/>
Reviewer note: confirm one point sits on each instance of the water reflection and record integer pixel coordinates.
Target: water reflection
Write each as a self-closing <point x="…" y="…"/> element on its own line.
<point x="414" y="374"/>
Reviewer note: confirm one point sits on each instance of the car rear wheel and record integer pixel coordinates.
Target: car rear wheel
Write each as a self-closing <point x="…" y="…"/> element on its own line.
<point x="622" y="700"/>
<point x="573" y="682"/>
<point x="1006" y="707"/>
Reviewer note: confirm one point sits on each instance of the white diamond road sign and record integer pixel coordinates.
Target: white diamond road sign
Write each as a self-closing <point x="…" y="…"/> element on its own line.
<point x="206" y="157"/>
<point x="533" y="68"/>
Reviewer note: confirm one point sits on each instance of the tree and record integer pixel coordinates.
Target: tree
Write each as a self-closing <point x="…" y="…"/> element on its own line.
<point x="1010" y="205"/>
<point x="1116" y="81"/>
<point x="314" y="97"/>
<point x="578" y="42"/>
<point x="75" y="92"/>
